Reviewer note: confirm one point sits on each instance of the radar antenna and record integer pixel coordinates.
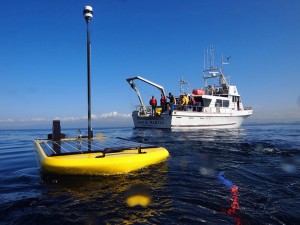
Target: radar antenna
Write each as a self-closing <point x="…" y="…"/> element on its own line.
<point x="226" y="62"/>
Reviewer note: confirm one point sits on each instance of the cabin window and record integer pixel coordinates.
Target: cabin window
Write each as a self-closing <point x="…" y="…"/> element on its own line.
<point x="235" y="98"/>
<point x="218" y="103"/>
<point x="225" y="103"/>
<point x="222" y="103"/>
<point x="206" y="102"/>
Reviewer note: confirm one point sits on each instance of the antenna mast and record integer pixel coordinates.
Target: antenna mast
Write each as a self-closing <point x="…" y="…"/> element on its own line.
<point x="88" y="15"/>
<point x="182" y="82"/>
<point x="211" y="57"/>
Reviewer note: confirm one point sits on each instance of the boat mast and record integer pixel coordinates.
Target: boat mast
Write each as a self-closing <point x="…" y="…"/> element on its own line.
<point x="211" y="57"/>
<point x="182" y="82"/>
<point x="208" y="68"/>
<point x="88" y="15"/>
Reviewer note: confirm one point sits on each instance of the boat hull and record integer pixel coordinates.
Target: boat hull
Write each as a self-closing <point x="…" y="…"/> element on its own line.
<point x="187" y="119"/>
<point x="122" y="161"/>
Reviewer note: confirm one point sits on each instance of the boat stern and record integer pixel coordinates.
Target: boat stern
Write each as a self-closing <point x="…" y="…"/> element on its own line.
<point x="163" y="120"/>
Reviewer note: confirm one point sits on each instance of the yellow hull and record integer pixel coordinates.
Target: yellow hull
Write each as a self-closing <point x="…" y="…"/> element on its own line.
<point x="92" y="163"/>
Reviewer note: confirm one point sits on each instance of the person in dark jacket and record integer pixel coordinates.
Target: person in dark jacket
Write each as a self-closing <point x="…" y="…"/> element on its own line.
<point x="172" y="101"/>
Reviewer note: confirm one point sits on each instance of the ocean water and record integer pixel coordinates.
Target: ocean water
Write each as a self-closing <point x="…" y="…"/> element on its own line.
<point x="243" y="176"/>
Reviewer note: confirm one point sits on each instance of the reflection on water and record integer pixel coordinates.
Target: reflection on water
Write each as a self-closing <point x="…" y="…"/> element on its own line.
<point x="234" y="135"/>
<point x="111" y="193"/>
<point x="138" y="195"/>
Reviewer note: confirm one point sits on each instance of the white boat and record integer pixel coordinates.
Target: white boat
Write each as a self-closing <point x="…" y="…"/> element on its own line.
<point x="217" y="106"/>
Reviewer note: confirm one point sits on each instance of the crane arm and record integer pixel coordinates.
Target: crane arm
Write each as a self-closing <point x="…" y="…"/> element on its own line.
<point x="160" y="88"/>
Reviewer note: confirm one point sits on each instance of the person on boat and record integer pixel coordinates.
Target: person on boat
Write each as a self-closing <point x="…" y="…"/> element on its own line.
<point x="153" y="103"/>
<point x="192" y="103"/>
<point x="172" y="100"/>
<point x="163" y="102"/>
<point x="184" y="102"/>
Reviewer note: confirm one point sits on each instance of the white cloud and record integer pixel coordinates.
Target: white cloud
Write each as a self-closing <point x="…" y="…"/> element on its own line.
<point x="95" y="117"/>
<point x="71" y="118"/>
<point x="111" y="115"/>
<point x="38" y="119"/>
<point x="110" y="119"/>
<point x="7" y="120"/>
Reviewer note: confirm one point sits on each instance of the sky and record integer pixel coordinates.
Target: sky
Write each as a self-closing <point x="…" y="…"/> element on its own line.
<point x="43" y="60"/>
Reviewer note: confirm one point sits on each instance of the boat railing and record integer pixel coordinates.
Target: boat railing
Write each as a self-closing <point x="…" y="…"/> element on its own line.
<point x="142" y="109"/>
<point x="198" y="108"/>
<point x="187" y="108"/>
<point x="216" y="90"/>
<point x="248" y="108"/>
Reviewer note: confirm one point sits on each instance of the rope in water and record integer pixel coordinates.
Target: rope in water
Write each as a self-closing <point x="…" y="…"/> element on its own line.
<point x="235" y="206"/>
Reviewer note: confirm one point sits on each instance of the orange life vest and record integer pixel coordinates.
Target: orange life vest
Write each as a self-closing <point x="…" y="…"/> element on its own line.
<point x="153" y="101"/>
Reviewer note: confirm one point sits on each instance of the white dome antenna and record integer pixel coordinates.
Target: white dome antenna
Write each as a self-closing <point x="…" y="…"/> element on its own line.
<point x="88" y="13"/>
